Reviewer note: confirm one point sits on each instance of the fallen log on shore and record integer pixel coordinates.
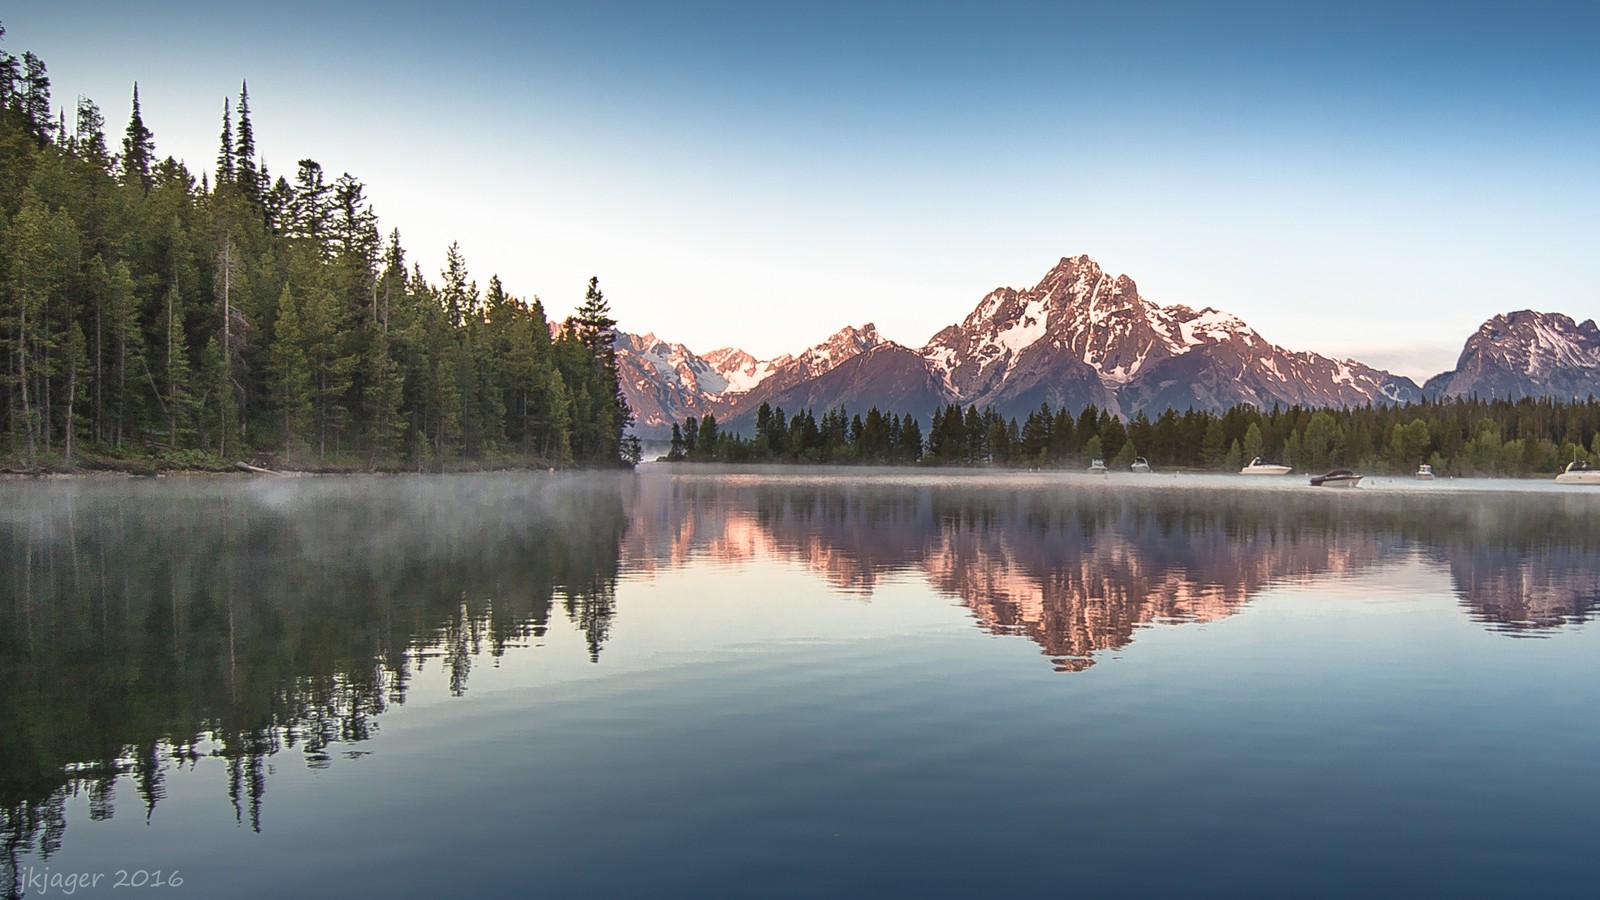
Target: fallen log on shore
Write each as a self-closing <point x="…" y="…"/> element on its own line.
<point x="257" y="470"/>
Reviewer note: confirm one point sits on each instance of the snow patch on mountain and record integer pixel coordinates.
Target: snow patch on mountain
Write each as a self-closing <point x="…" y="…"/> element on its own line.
<point x="1526" y="354"/>
<point x="1079" y="336"/>
<point x="1210" y="325"/>
<point x="741" y="372"/>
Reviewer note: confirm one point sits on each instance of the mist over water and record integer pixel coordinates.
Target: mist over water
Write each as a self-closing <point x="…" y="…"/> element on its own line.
<point x="691" y="679"/>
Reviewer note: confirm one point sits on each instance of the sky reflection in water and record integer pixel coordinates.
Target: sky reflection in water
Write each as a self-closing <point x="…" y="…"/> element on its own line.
<point x="797" y="682"/>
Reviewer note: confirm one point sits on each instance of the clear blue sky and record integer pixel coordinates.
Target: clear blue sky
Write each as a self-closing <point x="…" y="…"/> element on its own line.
<point x="1368" y="180"/>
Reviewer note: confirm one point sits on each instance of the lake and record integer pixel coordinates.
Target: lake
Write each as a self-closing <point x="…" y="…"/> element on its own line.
<point x="690" y="681"/>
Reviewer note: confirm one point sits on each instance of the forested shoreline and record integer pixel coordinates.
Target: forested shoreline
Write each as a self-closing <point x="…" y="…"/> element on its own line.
<point x="1463" y="437"/>
<point x="150" y="317"/>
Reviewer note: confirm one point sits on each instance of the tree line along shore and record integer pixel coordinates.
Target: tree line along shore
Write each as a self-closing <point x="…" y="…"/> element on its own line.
<point x="1461" y="437"/>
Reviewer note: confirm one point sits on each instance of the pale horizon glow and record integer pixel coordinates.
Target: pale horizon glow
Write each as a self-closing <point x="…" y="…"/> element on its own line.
<point x="1365" y="181"/>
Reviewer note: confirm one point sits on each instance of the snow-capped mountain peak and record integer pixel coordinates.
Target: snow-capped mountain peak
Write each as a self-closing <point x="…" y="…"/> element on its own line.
<point x="1079" y="336"/>
<point x="1526" y="354"/>
<point x="840" y="346"/>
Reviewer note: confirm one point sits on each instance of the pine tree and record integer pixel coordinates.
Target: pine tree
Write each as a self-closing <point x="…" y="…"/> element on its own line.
<point x="601" y="412"/>
<point x="89" y="138"/>
<point x="251" y="180"/>
<point x="36" y="99"/>
<point x="138" y="149"/>
<point x="9" y="71"/>
<point x="1214" y="445"/>
<point x="557" y="434"/>
<point x="291" y="373"/>
<point x="234" y="326"/>
<point x="1253" y="443"/>
<point x="706" y="439"/>
<point x="225" y="148"/>
<point x="597" y="328"/>
<point x="352" y="224"/>
<point x="43" y="251"/>
<point x="459" y="296"/>
<point x="178" y="399"/>
<point x="911" y="438"/>
<point x="217" y="410"/>
<point x="382" y="399"/>
<point x="128" y="354"/>
<point x="277" y="205"/>
<point x="30" y="283"/>
<point x="309" y="208"/>
<point x="76" y="363"/>
<point x="444" y="394"/>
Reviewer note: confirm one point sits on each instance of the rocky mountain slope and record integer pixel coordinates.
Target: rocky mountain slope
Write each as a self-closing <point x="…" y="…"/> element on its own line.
<point x="1525" y="354"/>
<point x="666" y="382"/>
<point x="1083" y="336"/>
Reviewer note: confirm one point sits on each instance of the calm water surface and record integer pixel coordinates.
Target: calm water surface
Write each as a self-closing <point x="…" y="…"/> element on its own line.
<point x="688" y="682"/>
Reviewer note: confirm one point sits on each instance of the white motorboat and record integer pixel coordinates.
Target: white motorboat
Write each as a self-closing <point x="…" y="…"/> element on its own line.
<point x="1097" y="466"/>
<point x="1257" y="467"/>
<point x="1337" y="478"/>
<point x="1141" y="465"/>
<point x="1424" y="472"/>
<point x="1579" y="473"/>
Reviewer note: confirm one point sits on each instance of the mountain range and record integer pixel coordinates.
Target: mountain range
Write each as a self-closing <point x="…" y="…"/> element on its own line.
<point x="1083" y="336"/>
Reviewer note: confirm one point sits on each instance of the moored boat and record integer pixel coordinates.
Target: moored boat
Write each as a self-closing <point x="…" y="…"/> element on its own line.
<point x="1424" y="472"/>
<point x="1257" y="467"/>
<point x="1097" y="466"/>
<point x="1337" y="478"/>
<point x="1141" y="465"/>
<point x="1579" y="473"/>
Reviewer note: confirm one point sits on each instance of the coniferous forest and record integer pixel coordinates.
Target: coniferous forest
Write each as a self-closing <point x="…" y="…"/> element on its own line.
<point x="152" y="316"/>
<point x="1468" y="437"/>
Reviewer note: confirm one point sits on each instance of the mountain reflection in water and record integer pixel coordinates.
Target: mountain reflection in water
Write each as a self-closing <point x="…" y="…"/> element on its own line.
<point x="144" y="626"/>
<point x="1078" y="569"/>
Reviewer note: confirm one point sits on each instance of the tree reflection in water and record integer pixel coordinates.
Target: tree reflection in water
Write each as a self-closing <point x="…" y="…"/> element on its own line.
<point x="144" y="626"/>
<point x="147" y="626"/>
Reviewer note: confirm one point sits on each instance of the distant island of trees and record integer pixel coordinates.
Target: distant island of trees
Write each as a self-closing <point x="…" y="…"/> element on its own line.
<point x="1466" y="437"/>
<point x="151" y="317"/>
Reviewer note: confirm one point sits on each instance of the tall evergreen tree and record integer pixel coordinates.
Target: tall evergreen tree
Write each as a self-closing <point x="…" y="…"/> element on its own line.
<point x="89" y="136"/>
<point x="353" y="227"/>
<point x="291" y="373"/>
<point x="225" y="145"/>
<point x="675" y="449"/>
<point x="277" y="205"/>
<point x="9" y="70"/>
<point x="459" y="295"/>
<point x="127" y="360"/>
<point x="310" y="207"/>
<point x="610" y="413"/>
<point x="178" y="397"/>
<point x="36" y="99"/>
<point x="598" y="329"/>
<point x="252" y="180"/>
<point x="138" y="149"/>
